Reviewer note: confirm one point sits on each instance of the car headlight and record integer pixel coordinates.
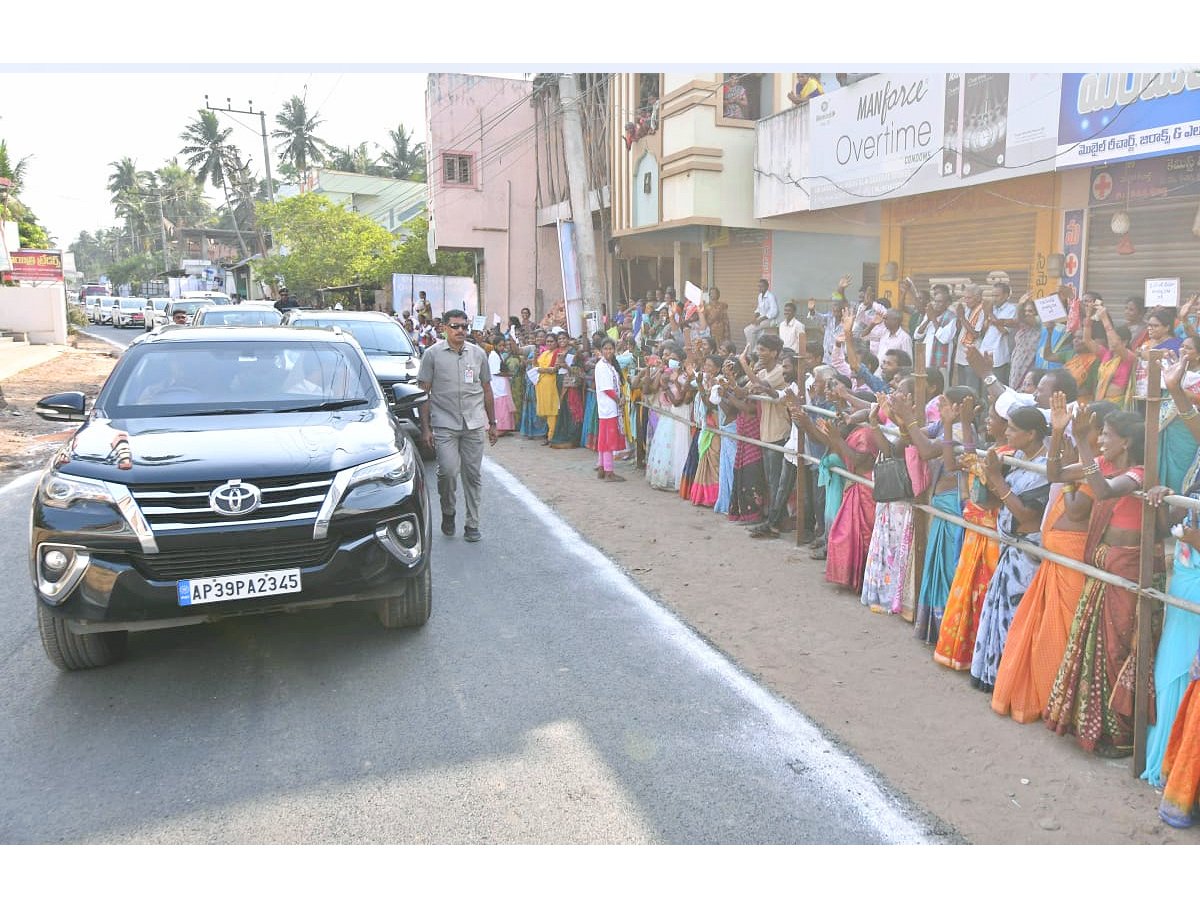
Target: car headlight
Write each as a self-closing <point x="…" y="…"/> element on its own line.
<point x="395" y="469"/>
<point x="60" y="491"/>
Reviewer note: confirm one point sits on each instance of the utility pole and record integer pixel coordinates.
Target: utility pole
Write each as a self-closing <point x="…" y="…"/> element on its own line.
<point x="577" y="179"/>
<point x="262" y="120"/>
<point x="162" y="224"/>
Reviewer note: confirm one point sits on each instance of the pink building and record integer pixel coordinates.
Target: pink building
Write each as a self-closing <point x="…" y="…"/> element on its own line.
<point x="482" y="176"/>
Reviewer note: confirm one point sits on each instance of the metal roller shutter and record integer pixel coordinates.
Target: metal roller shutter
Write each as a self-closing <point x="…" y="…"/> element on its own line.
<point x="736" y="271"/>
<point x="972" y="249"/>
<point x="1163" y="247"/>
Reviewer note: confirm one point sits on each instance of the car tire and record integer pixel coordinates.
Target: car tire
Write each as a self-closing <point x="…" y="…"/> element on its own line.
<point x="70" y="651"/>
<point x="411" y="608"/>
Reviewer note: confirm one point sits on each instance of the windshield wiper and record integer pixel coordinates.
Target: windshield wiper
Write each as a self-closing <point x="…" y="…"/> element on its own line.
<point x="327" y="405"/>
<point x="218" y="412"/>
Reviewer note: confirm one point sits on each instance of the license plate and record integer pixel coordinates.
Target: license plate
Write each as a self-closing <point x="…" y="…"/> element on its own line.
<point x="238" y="587"/>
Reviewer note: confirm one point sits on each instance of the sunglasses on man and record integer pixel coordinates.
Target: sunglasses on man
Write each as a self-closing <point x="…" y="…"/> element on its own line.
<point x="460" y="327"/>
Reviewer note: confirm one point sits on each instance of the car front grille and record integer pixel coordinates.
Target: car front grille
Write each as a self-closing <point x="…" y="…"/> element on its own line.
<point x="175" y="565"/>
<point x="293" y="500"/>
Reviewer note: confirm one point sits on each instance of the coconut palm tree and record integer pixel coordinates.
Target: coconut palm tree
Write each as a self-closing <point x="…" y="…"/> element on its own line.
<point x="355" y="159"/>
<point x="403" y="160"/>
<point x="182" y="195"/>
<point x="298" y="142"/>
<point x="211" y="157"/>
<point x="132" y="191"/>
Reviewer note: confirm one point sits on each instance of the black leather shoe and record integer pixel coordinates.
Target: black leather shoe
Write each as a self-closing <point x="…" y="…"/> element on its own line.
<point x="448" y="526"/>
<point x="471" y="534"/>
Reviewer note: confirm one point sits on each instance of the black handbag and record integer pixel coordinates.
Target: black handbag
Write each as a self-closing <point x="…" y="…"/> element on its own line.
<point x="891" y="479"/>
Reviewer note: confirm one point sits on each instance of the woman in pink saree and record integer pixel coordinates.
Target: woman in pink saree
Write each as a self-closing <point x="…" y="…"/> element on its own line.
<point x="850" y="533"/>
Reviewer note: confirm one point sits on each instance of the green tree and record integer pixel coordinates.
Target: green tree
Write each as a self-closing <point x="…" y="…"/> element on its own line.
<point x="298" y="143"/>
<point x="322" y="244"/>
<point x="32" y="235"/>
<point x="403" y="159"/>
<point x="411" y="257"/>
<point x="211" y="157"/>
<point x="355" y="159"/>
<point x="182" y="196"/>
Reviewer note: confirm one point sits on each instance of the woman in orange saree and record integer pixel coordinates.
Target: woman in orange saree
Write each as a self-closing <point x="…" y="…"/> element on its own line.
<point x="1037" y="638"/>
<point x="960" y="622"/>
<point x="1181" y="764"/>
<point x="1092" y="694"/>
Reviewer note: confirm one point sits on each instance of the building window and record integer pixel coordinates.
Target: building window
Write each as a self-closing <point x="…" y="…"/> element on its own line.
<point x="745" y="96"/>
<point x="456" y="169"/>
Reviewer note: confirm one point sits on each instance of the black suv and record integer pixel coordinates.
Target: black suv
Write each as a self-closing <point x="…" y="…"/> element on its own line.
<point x="393" y="358"/>
<point x="222" y="472"/>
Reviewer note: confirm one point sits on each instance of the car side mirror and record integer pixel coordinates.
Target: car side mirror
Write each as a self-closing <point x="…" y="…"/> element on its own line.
<point x="408" y="396"/>
<point x="69" y="406"/>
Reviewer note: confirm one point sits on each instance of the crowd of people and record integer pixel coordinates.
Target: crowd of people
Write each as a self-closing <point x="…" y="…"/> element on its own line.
<point x="1033" y="430"/>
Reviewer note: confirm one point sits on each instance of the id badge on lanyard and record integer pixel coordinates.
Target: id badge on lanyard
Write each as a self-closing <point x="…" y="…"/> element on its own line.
<point x="469" y="375"/>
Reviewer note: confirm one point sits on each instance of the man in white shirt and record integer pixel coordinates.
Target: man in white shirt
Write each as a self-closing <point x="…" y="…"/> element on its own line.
<point x="791" y="329"/>
<point x="1001" y="314"/>
<point x="972" y="322"/>
<point x="894" y="337"/>
<point x="766" y="312"/>
<point x="868" y="320"/>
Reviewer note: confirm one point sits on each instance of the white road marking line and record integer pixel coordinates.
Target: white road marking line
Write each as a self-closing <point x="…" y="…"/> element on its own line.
<point x="824" y="762"/>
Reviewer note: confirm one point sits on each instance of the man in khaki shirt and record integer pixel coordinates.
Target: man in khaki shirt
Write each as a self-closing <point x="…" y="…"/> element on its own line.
<point x="457" y="377"/>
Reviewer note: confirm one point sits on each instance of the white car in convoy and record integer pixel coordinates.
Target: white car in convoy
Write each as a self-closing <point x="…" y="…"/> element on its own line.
<point x="104" y="312"/>
<point x="155" y="312"/>
<point x="129" y="311"/>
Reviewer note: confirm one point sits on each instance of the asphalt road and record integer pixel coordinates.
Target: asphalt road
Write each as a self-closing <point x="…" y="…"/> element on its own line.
<point x="548" y="700"/>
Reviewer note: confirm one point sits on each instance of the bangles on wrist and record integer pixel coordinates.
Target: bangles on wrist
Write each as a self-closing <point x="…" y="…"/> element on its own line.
<point x="1093" y="469"/>
<point x="1190" y="414"/>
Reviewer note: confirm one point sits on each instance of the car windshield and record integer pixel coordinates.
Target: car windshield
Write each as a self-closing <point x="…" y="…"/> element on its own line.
<point x="235" y="316"/>
<point x="206" y="378"/>
<point x="132" y="304"/>
<point x="159" y="304"/>
<point x="373" y="335"/>
<point x="107" y="301"/>
<point x="188" y="306"/>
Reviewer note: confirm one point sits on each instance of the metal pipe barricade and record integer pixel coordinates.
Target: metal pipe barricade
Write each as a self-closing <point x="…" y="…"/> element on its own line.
<point x="1146" y="594"/>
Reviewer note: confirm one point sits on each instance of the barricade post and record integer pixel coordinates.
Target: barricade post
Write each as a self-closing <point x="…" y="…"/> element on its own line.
<point x="1148" y="548"/>
<point x="920" y="523"/>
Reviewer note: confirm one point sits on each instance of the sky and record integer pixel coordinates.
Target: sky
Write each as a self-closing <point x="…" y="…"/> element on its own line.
<point x="97" y="118"/>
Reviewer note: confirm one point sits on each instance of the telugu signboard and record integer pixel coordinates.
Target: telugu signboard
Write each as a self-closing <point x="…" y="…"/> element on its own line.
<point x="897" y="135"/>
<point x="1127" y="115"/>
<point x="37" y="265"/>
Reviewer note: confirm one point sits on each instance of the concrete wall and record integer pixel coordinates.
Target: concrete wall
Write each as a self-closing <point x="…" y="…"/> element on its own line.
<point x="41" y="312"/>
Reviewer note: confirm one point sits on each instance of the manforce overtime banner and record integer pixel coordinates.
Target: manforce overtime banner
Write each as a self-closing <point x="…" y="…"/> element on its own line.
<point x="895" y="135"/>
<point x="1127" y="115"/>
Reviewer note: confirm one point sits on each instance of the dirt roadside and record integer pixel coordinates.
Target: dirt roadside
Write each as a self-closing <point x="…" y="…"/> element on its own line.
<point x="862" y="677"/>
<point x="26" y="439"/>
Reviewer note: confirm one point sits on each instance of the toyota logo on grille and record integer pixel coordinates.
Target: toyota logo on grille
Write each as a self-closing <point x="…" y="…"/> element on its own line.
<point x="233" y="498"/>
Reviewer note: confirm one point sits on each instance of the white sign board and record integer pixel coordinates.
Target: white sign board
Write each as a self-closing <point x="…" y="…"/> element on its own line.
<point x="692" y="293"/>
<point x="1050" y="308"/>
<point x="1162" y="292"/>
<point x="910" y="133"/>
<point x="479" y="324"/>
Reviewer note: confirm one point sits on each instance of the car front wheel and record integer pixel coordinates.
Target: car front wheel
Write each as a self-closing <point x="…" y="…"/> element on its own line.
<point x="412" y="606"/>
<point x="70" y="651"/>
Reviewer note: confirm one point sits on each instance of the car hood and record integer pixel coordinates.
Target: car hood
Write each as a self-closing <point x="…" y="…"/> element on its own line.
<point x="388" y="368"/>
<point x="202" y="448"/>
